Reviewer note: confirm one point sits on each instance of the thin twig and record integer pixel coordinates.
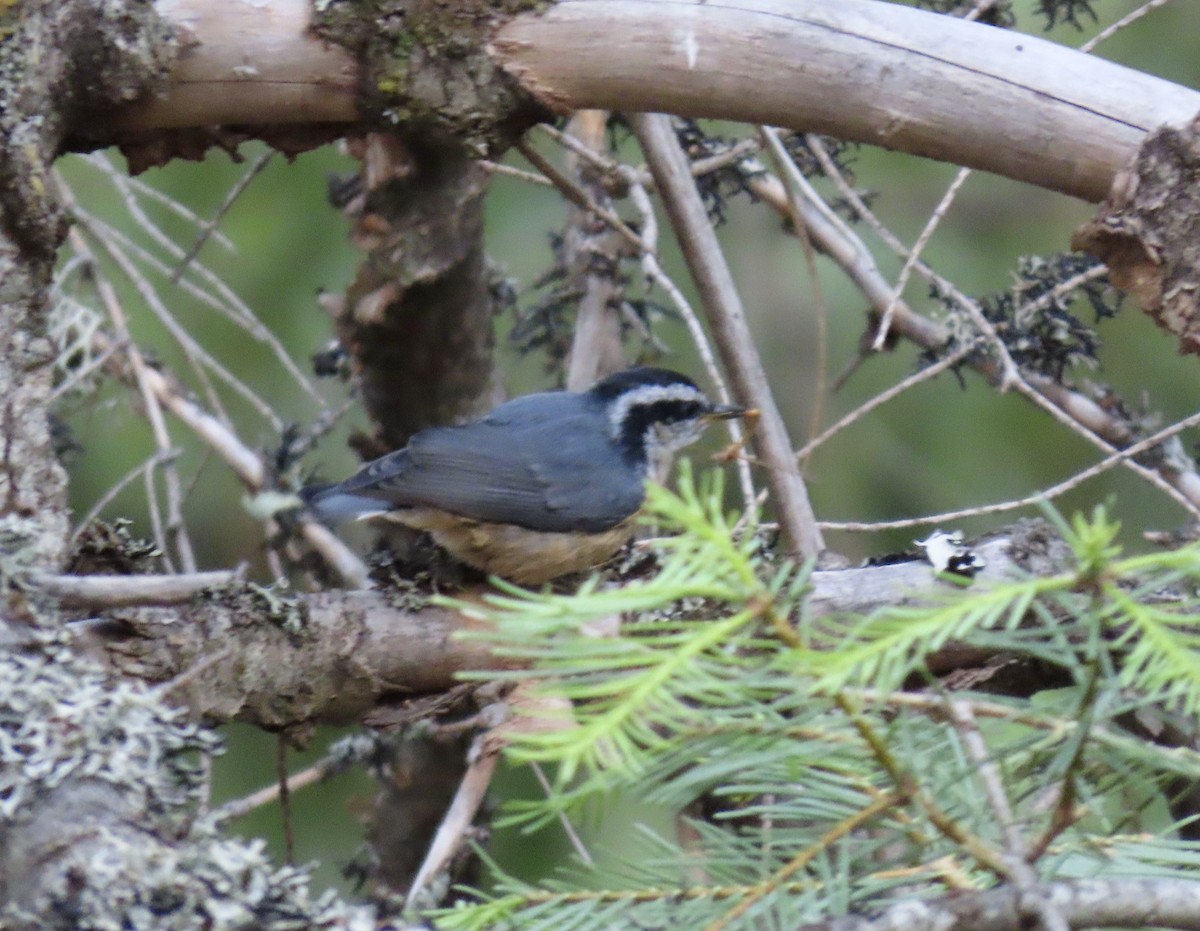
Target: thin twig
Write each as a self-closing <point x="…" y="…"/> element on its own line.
<point x="482" y="757"/>
<point x="1132" y="17"/>
<point x="222" y="298"/>
<point x="110" y="238"/>
<point x="81" y="374"/>
<point x="249" y="468"/>
<point x="190" y="674"/>
<point x="285" y="799"/>
<point x="1070" y="407"/>
<point x="509" y="171"/>
<point x="914" y="254"/>
<point x="155" y="514"/>
<point x="593" y="156"/>
<point x="700" y="167"/>
<point x="1117" y="457"/>
<point x="962" y="717"/>
<point x="115" y="489"/>
<point x="1184" y="490"/>
<point x="577" y="195"/>
<point x="1020" y="872"/>
<point x="577" y="844"/>
<point x="1064" y="813"/>
<point x="731" y="156"/>
<point x="126" y="189"/>
<point x="103" y="163"/>
<point x="308" y="776"/>
<point x="908" y="786"/>
<point x="878" y="400"/>
<point x="817" y="848"/>
<point x="209" y="226"/>
<point x="787" y="169"/>
<point x="121" y="591"/>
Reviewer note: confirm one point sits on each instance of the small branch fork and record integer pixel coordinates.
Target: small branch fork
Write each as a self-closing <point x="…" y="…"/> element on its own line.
<point x="646" y="245"/>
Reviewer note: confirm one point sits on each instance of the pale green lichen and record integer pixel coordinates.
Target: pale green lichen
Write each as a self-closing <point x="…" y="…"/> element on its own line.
<point x="73" y="739"/>
<point x="62" y="719"/>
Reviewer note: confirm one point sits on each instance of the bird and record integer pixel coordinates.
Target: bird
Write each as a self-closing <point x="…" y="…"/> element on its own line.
<point x="543" y="486"/>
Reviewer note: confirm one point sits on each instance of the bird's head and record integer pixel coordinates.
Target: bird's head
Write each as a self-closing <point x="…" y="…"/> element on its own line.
<point x="653" y="413"/>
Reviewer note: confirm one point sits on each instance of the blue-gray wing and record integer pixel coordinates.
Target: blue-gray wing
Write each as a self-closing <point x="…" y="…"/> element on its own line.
<point x="518" y="466"/>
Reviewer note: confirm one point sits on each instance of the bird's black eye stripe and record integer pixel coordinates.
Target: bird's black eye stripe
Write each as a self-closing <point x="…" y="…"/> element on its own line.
<point x="641" y="417"/>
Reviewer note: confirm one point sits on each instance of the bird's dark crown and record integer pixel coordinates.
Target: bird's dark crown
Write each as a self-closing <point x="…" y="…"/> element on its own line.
<point x="617" y="384"/>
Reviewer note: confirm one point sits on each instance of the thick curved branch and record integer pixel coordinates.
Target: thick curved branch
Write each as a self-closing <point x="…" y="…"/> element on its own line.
<point x="249" y="64"/>
<point x="865" y="70"/>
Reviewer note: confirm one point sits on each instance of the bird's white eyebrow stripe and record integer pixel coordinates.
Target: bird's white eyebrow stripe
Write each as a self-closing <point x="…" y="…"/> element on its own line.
<point x="650" y="394"/>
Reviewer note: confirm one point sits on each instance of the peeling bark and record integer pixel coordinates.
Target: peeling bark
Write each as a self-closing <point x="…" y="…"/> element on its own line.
<point x="1148" y="232"/>
<point x="418" y="317"/>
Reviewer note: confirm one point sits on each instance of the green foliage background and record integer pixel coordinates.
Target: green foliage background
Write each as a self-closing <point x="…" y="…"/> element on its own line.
<point x="939" y="447"/>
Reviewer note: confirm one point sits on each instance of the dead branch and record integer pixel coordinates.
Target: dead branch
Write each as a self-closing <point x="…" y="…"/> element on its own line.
<point x="874" y="72"/>
<point x="119" y="591"/>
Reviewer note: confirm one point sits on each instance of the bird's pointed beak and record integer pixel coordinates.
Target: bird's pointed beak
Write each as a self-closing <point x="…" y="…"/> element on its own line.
<point x="729" y="411"/>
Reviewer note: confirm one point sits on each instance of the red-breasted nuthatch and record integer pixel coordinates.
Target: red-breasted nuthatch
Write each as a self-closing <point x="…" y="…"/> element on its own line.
<point x="545" y="485"/>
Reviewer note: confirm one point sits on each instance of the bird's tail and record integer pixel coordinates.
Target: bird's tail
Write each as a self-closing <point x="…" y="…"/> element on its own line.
<point x="330" y="505"/>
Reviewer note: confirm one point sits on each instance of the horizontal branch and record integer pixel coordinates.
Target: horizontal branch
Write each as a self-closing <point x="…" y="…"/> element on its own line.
<point x="256" y="656"/>
<point x="285" y="661"/>
<point x="1083" y="903"/>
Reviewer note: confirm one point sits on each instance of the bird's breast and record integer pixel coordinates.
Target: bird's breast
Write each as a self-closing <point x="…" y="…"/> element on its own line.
<point x="521" y="555"/>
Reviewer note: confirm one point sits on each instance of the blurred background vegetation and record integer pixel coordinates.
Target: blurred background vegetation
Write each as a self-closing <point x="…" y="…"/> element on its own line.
<point x="946" y="445"/>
